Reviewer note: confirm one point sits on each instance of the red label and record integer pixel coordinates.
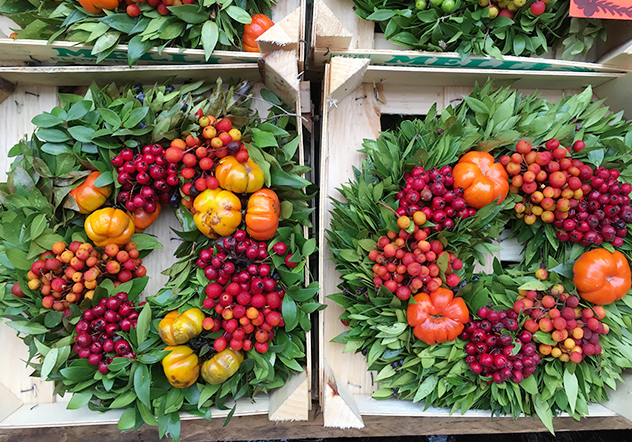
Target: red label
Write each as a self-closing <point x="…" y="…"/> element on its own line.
<point x="608" y="9"/>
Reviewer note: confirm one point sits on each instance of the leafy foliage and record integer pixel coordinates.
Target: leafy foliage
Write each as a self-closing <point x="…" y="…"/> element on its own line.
<point x="85" y="132"/>
<point x="206" y="24"/>
<point x="467" y="29"/>
<point x="487" y="120"/>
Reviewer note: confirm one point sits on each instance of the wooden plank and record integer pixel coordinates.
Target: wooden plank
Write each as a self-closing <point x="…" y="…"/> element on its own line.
<point x="291" y="402"/>
<point x="85" y="75"/>
<point x="329" y="32"/>
<point x="613" y="91"/>
<point x="420" y="78"/>
<point x="279" y="71"/>
<point x="256" y="427"/>
<point x="354" y="118"/>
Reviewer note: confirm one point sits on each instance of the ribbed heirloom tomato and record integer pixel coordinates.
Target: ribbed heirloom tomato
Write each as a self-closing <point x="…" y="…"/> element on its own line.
<point x="181" y="366"/>
<point x="260" y="23"/>
<point x="222" y="366"/>
<point x="90" y="197"/>
<point x="239" y="177"/>
<point x="602" y="277"/>
<point x="262" y="215"/>
<point x="109" y="225"/>
<point x="175" y="328"/>
<point x="217" y="212"/>
<point x="438" y="316"/>
<point x="483" y="180"/>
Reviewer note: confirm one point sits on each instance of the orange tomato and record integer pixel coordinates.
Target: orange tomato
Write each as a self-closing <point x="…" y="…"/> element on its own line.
<point x="482" y="179"/>
<point x="602" y="277"/>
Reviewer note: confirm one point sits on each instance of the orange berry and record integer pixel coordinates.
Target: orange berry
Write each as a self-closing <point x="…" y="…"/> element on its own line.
<point x="192" y="141"/>
<point x="179" y="143"/>
<point x="122" y="256"/>
<point x="209" y="132"/>
<point x="59" y="247"/>
<point x="235" y="134"/>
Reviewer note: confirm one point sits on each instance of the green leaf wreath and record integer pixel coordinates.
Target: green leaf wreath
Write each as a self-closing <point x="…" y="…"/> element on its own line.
<point x="468" y="29"/>
<point x="437" y="375"/>
<point x="36" y="211"/>
<point x="204" y="24"/>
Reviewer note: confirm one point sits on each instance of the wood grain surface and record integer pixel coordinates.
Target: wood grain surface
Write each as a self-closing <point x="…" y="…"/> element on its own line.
<point x="259" y="427"/>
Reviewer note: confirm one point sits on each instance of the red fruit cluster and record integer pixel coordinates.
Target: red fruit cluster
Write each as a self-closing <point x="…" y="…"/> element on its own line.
<point x="551" y="183"/>
<point x="97" y="339"/>
<point x="601" y="214"/>
<point x="587" y="208"/>
<point x="68" y="274"/>
<point x="199" y="155"/>
<point x="407" y="263"/>
<point x="576" y="331"/>
<point x="244" y="294"/>
<point x="433" y="193"/>
<point x="494" y="352"/>
<point x="133" y="10"/>
<point x="146" y="178"/>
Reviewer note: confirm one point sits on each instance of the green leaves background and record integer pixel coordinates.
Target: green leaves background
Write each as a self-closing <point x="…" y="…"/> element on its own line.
<point x="467" y="29"/>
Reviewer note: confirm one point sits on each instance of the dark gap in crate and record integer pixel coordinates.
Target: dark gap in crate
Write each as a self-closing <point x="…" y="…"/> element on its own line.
<point x="392" y="121"/>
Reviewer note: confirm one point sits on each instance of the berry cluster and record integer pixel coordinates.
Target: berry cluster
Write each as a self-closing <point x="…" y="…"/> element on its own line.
<point x="587" y="208"/>
<point x="407" y="263"/>
<point x="551" y="182"/>
<point x="432" y="192"/>
<point x="601" y="214"/>
<point x="162" y="6"/>
<point x="70" y="273"/>
<point x="243" y="292"/>
<point x="97" y="338"/>
<point x="198" y="156"/>
<point x="494" y="352"/>
<point x="576" y="331"/>
<point x="508" y="8"/>
<point x="146" y="179"/>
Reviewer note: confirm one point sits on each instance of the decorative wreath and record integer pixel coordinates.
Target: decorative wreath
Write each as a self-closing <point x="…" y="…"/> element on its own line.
<point x="231" y="320"/>
<point x="142" y="24"/>
<point x="484" y="27"/>
<point x="541" y="336"/>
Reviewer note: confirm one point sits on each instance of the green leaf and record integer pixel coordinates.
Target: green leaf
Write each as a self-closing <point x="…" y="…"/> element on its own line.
<point x="142" y="326"/>
<point x="137" y="115"/>
<point x="146" y="242"/>
<point x="79" y="400"/>
<point x="127" y="420"/>
<point x="263" y="138"/>
<point x="79" y="109"/>
<point x="544" y="338"/>
<point x="82" y="133"/>
<point x="110" y="117"/>
<point x="28" y="328"/>
<point x="18" y="259"/>
<point x="571" y="388"/>
<point x="426" y="387"/>
<point x="53" y="319"/>
<point x="239" y="15"/>
<point x="290" y="313"/>
<point x="46" y="120"/>
<point x="52" y="135"/>
<point x="309" y="247"/>
<point x="534" y="285"/>
<point x="56" y="148"/>
<point x="49" y="362"/>
<point x="142" y="382"/>
<point x="123" y="400"/>
<point x="210" y="34"/>
<point x="104" y="179"/>
<point x="543" y="411"/>
<point x="192" y="14"/>
<point x="381" y="15"/>
<point x="38" y="225"/>
<point x="279" y="177"/>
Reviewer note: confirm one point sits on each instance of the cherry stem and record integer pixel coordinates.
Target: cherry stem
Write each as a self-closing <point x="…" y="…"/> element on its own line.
<point x="389" y="208"/>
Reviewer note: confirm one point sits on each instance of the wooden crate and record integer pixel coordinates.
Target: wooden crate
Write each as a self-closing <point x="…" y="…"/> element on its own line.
<point x="39" y="52"/>
<point x="29" y="402"/>
<point x="337" y="30"/>
<point x="355" y="96"/>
